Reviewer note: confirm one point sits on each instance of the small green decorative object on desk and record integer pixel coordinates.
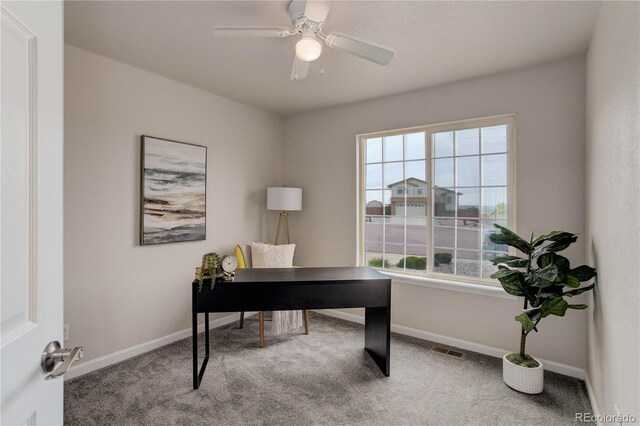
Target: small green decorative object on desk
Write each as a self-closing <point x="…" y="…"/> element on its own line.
<point x="211" y="268"/>
<point x="544" y="279"/>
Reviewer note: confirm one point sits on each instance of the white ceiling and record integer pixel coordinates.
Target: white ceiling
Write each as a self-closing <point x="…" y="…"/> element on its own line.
<point x="435" y="42"/>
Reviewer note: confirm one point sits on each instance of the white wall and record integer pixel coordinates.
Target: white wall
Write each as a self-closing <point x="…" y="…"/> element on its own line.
<point x="117" y="293"/>
<point x="549" y="100"/>
<point x="613" y="218"/>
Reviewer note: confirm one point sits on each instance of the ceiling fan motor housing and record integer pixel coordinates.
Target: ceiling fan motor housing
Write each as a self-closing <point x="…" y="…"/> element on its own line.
<point x="298" y="18"/>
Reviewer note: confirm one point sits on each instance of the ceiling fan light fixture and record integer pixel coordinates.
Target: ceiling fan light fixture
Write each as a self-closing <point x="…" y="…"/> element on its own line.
<point x="308" y="48"/>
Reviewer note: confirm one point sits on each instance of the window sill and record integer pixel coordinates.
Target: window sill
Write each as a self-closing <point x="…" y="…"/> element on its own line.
<point x="459" y="286"/>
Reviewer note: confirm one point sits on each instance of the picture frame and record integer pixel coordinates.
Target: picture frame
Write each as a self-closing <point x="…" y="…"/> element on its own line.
<point x="173" y="191"/>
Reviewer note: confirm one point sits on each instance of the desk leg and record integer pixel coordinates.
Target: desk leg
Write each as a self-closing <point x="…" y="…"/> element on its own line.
<point x="377" y="336"/>
<point x="197" y="375"/>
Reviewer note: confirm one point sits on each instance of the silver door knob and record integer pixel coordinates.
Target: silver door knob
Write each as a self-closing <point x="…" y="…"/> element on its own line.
<point x="53" y="354"/>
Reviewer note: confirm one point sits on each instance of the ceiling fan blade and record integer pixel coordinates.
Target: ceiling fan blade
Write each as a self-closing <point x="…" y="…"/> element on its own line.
<point x="300" y="69"/>
<point x="317" y="10"/>
<point x="253" y="32"/>
<point x="365" y="49"/>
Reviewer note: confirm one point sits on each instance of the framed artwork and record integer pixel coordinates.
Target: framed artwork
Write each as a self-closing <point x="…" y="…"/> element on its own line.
<point x="173" y="205"/>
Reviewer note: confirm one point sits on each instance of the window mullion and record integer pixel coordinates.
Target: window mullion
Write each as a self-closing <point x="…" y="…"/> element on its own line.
<point x="406" y="190"/>
<point x="455" y="207"/>
<point x="430" y="206"/>
<point x="384" y="216"/>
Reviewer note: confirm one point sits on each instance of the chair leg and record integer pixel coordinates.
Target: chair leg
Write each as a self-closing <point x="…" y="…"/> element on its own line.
<point x="261" y="325"/>
<point x="306" y="321"/>
<point x="241" y="319"/>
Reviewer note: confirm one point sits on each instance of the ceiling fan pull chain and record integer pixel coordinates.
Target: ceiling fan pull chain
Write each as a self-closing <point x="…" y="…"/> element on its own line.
<point x="321" y="66"/>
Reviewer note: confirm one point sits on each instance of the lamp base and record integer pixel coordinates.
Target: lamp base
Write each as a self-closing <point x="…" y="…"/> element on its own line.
<point x="284" y="218"/>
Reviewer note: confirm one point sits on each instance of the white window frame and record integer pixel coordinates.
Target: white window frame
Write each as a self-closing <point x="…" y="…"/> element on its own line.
<point x="431" y="278"/>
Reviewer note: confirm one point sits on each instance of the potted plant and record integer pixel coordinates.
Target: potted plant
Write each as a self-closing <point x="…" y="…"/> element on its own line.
<point x="544" y="279"/>
<point x="210" y="269"/>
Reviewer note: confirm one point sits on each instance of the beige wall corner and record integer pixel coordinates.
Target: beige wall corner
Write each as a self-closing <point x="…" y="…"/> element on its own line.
<point x="613" y="206"/>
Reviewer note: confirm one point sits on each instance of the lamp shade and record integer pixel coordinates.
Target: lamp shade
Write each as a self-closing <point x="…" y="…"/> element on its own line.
<point x="281" y="198"/>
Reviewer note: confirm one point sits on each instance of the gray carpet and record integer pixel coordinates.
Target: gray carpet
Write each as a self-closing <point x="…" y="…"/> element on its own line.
<point x="324" y="378"/>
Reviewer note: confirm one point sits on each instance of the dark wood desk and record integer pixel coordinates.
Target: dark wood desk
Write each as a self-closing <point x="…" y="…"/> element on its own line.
<point x="300" y="288"/>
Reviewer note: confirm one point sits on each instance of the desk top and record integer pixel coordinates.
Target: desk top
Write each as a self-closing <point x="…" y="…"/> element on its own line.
<point x="315" y="275"/>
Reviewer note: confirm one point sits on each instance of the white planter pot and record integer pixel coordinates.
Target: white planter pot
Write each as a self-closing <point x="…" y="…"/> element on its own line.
<point x="523" y="379"/>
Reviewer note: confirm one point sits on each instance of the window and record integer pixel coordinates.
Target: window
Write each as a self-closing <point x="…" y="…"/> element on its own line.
<point x="437" y="191"/>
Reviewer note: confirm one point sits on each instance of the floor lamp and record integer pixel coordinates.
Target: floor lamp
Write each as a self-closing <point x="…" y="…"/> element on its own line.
<point x="284" y="200"/>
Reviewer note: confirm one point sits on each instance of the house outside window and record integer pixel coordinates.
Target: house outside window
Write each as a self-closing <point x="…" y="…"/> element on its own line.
<point x="430" y="197"/>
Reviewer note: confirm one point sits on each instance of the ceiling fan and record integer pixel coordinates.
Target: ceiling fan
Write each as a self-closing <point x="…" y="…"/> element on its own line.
<point x="307" y="17"/>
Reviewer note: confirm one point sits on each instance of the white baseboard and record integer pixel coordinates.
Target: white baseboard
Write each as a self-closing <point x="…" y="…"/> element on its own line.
<point x="85" y="367"/>
<point x="95" y="364"/>
<point x="592" y="398"/>
<point x="556" y="367"/>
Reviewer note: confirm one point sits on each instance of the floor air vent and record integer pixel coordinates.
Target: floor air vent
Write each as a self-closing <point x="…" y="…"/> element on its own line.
<point x="448" y="352"/>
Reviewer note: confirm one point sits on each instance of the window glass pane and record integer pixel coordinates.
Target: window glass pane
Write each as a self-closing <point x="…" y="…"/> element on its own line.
<point x="416" y="250"/>
<point x="494" y="139"/>
<point x="443" y="172"/>
<point x="444" y="233"/>
<point x="494" y="203"/>
<point x="394" y="230"/>
<point x="388" y="195"/>
<point x="373" y="229"/>
<point x="487" y="266"/>
<point x="373" y="203"/>
<point x="494" y="169"/>
<point x="468" y="171"/>
<point x="373" y="254"/>
<point x="415" y="146"/>
<point x="415" y="169"/>
<point x="443" y="144"/>
<point x="416" y="230"/>
<point x="393" y="174"/>
<point x="488" y="229"/>
<point x="467" y="142"/>
<point x="468" y="235"/>
<point x="374" y="150"/>
<point x="392" y="254"/>
<point x="468" y="202"/>
<point x="393" y="148"/>
<point x="468" y="263"/>
<point x="444" y="202"/>
<point x="444" y="260"/>
<point x="373" y="175"/>
<point x="415" y="261"/>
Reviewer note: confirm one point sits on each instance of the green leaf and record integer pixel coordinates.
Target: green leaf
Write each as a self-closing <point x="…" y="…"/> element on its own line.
<point x="543" y="277"/>
<point x="526" y="322"/>
<point x="571" y="281"/>
<point x="513" y="261"/>
<point x="552" y="236"/>
<point x="580" y="307"/>
<point x="510" y="238"/>
<point x="557" y="246"/>
<point x="557" y="306"/>
<point x="546" y="259"/>
<point x="512" y="281"/>
<point x="548" y="273"/>
<point x="583" y="273"/>
<point x="551" y="292"/>
<point x="578" y="291"/>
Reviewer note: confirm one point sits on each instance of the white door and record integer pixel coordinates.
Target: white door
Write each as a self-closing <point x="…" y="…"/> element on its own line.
<point x="31" y="208"/>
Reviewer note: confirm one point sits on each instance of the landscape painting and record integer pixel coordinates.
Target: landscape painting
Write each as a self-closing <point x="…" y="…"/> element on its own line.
<point x="173" y="191"/>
